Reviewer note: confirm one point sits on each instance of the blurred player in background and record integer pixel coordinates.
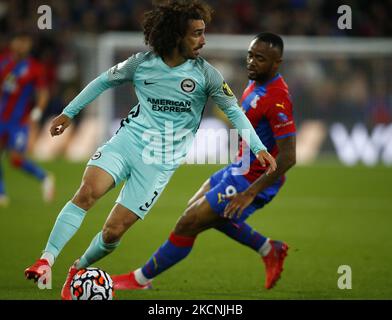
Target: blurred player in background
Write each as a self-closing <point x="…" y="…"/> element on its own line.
<point x="172" y="84"/>
<point x="227" y="199"/>
<point x="23" y="98"/>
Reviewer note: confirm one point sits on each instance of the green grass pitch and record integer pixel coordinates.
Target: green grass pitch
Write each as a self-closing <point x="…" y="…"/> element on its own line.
<point x="328" y="214"/>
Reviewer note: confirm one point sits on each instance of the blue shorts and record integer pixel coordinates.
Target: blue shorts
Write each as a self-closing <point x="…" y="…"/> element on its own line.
<point x="13" y="137"/>
<point x="122" y="159"/>
<point x="224" y="183"/>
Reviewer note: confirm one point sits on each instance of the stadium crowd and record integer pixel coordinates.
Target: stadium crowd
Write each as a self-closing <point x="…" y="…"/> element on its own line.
<point x="287" y="17"/>
<point x="316" y="84"/>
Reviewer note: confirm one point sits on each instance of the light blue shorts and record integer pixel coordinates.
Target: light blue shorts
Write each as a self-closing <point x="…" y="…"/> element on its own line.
<point x="144" y="183"/>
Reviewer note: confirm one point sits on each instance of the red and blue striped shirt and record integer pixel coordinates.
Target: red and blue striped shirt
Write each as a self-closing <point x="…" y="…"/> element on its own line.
<point x="18" y="83"/>
<point x="270" y="110"/>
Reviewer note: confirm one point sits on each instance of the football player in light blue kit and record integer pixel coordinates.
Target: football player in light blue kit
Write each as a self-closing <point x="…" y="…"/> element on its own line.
<point x="172" y="84"/>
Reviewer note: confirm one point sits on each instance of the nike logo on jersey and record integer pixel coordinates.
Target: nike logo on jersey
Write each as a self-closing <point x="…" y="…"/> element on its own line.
<point x="148" y="83"/>
<point x="280" y="105"/>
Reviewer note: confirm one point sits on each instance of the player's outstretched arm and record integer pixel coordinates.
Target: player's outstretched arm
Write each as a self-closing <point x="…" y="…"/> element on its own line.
<point x="222" y="95"/>
<point x="115" y="76"/>
<point x="59" y="124"/>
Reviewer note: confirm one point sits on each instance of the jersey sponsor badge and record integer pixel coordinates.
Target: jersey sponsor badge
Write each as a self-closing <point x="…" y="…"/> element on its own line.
<point x="282" y="117"/>
<point x="226" y="89"/>
<point x="188" y="85"/>
<point x="96" y="155"/>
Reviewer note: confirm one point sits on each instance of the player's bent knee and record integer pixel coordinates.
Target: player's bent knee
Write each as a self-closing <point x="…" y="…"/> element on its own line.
<point x="112" y="233"/>
<point x="188" y="224"/>
<point x="191" y="201"/>
<point x="85" y="196"/>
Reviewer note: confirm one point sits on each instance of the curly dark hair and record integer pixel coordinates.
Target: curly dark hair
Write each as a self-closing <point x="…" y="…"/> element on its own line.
<point x="164" y="25"/>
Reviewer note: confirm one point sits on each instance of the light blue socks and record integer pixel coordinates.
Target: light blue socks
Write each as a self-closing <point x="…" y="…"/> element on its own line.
<point x="96" y="251"/>
<point x="68" y="222"/>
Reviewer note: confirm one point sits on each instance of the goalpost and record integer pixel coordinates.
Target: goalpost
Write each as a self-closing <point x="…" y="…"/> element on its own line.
<point x="317" y="69"/>
<point x="228" y="52"/>
<point x="234" y="46"/>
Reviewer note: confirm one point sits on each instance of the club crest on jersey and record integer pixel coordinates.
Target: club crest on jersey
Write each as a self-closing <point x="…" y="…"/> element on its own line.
<point x="253" y="104"/>
<point x="96" y="155"/>
<point x="188" y="85"/>
<point x="226" y="89"/>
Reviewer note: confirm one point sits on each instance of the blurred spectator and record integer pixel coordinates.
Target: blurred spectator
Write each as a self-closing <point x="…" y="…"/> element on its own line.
<point x="289" y="17"/>
<point x="317" y="85"/>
